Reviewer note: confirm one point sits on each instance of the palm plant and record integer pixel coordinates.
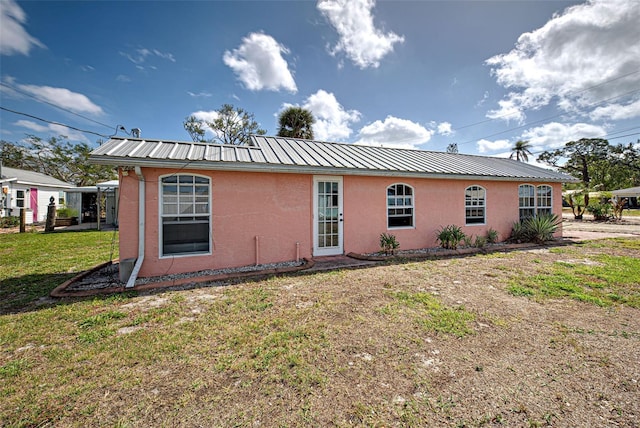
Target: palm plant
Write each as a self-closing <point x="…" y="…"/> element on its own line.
<point x="296" y="122"/>
<point x="521" y="151"/>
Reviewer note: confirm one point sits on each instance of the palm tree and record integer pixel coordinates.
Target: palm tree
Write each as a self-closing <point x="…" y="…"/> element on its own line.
<point x="521" y="151"/>
<point x="296" y="122"/>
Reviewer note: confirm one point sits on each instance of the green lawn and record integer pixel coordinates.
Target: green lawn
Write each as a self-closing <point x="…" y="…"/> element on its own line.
<point x="625" y="213"/>
<point x="32" y="264"/>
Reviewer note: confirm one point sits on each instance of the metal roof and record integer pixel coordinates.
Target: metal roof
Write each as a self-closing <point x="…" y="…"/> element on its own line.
<point x="22" y="176"/>
<point x="277" y="154"/>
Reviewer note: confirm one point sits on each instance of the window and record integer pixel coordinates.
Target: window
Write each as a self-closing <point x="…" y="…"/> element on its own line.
<point x="534" y="200"/>
<point x="399" y="206"/>
<point x="20" y="198"/>
<point x="185" y="215"/>
<point x="474" y="203"/>
<point x="543" y="200"/>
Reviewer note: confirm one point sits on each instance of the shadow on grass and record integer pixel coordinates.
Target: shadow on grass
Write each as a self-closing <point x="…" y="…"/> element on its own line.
<point x="31" y="293"/>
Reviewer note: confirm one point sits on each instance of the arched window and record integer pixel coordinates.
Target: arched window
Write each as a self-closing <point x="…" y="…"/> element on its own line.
<point x="399" y="206"/>
<point x="527" y="198"/>
<point x="185" y="215"/>
<point x="535" y="200"/>
<point x="475" y="204"/>
<point x="543" y="200"/>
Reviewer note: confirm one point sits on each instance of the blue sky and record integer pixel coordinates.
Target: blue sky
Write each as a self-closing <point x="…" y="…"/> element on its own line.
<point x="417" y="74"/>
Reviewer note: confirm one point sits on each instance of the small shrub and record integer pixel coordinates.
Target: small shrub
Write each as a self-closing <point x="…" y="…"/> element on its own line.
<point x="480" y="242"/>
<point x="468" y="240"/>
<point x="12" y="221"/>
<point x="541" y="228"/>
<point x="518" y="233"/>
<point x="388" y="243"/>
<point x="492" y="236"/>
<point x="450" y="236"/>
<point x="600" y="211"/>
<point x="66" y="212"/>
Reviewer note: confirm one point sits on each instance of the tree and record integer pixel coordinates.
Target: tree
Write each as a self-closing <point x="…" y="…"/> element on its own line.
<point x="231" y="126"/>
<point x="628" y="158"/>
<point x="296" y="122"/>
<point x="56" y="157"/>
<point x="452" y="148"/>
<point x="585" y="158"/>
<point x="599" y="165"/>
<point x="521" y="151"/>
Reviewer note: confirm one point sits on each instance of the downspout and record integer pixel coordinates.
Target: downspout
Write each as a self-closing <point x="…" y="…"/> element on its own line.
<point x="141" y="213"/>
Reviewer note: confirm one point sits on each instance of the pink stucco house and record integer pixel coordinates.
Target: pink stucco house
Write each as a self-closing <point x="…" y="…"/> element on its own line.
<point x="193" y="206"/>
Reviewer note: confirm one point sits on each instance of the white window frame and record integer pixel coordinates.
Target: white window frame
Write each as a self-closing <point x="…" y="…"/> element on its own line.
<point x="540" y="198"/>
<point x="21" y="200"/>
<point x="535" y="206"/>
<point x="475" y="202"/>
<point x="162" y="215"/>
<point x="403" y="206"/>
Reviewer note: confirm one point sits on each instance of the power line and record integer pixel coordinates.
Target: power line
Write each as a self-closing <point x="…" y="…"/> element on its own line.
<point x="570" y="93"/>
<point x="56" y="123"/>
<point x="54" y="105"/>
<point x="544" y="119"/>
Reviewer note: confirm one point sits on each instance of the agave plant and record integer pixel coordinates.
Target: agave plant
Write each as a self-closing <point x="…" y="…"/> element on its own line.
<point x="492" y="236"/>
<point x="541" y="228"/>
<point x="450" y="236"/>
<point x="388" y="243"/>
<point x="518" y="232"/>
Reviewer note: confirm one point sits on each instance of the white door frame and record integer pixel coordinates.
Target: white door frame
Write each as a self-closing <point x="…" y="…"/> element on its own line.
<point x="320" y="237"/>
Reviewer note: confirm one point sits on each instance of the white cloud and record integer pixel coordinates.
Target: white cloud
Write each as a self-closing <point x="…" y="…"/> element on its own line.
<point x="394" y="132"/>
<point x="200" y="94"/>
<point x="207" y="116"/>
<point x="140" y="56"/>
<point x="617" y="111"/>
<point x="360" y="40"/>
<point x="333" y="122"/>
<point x="555" y="135"/>
<point x="491" y="146"/>
<point x="586" y="54"/>
<point x="62" y="97"/>
<point x="258" y="64"/>
<point x="444" y="128"/>
<point x="14" y="39"/>
<point x="56" y="130"/>
<point x="123" y="78"/>
<point x="164" y="55"/>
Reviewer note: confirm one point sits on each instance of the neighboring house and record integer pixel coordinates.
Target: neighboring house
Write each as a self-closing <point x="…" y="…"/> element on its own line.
<point x="210" y="206"/>
<point x="29" y="190"/>
<point x="89" y="201"/>
<point x="631" y="193"/>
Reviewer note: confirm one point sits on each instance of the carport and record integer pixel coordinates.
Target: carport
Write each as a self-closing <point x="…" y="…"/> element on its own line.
<point x="630" y="192"/>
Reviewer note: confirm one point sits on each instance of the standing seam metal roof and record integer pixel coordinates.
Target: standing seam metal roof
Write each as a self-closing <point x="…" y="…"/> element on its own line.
<point x="297" y="155"/>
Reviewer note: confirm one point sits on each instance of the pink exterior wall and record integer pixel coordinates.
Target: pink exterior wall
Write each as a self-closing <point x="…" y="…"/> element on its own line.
<point x="277" y="208"/>
<point x="437" y="203"/>
<point x="273" y="207"/>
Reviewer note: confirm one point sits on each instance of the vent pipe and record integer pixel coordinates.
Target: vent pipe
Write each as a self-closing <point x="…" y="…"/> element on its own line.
<point x="135" y="132"/>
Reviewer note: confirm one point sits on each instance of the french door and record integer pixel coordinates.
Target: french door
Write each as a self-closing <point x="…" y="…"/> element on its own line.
<point x="327" y="216"/>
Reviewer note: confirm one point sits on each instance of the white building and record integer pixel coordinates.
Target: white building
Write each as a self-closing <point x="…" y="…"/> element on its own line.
<point x="29" y="190"/>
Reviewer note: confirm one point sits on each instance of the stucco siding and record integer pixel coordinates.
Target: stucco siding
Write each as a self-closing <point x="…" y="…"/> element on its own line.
<point x="437" y="203"/>
<point x="275" y="208"/>
<point x="274" y="211"/>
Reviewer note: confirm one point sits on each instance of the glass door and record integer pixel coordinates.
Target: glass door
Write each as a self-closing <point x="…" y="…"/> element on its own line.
<point x="327" y="218"/>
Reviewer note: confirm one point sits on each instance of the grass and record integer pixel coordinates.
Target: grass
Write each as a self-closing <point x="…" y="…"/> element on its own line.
<point x="33" y="264"/>
<point x="625" y="213"/>
<point x="436" y="317"/>
<point x="433" y="343"/>
<point x="600" y="279"/>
